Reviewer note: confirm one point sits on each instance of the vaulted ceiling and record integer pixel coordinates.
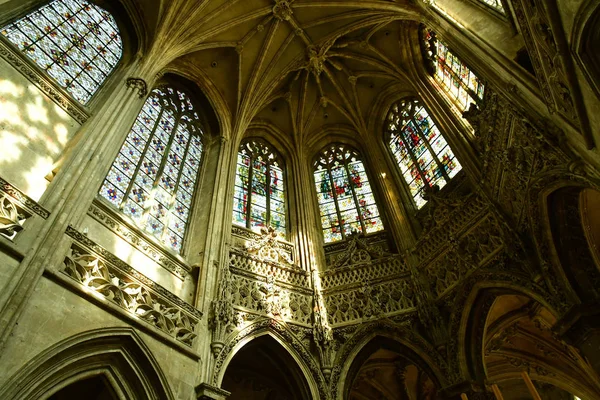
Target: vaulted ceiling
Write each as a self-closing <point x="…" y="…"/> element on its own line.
<point x="298" y="67"/>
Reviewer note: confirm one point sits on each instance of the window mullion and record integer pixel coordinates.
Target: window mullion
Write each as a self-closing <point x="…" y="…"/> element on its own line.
<point x="143" y="154"/>
<point x="249" y="200"/>
<point x="335" y="201"/>
<point x="414" y="158"/>
<point x="159" y="173"/>
<point x="356" y="205"/>
<point x="430" y="149"/>
<point x="268" y="194"/>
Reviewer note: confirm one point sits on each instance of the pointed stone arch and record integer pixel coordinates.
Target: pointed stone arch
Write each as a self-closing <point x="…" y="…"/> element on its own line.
<point x="472" y="303"/>
<point x="117" y="354"/>
<point x="398" y="336"/>
<point x="283" y="335"/>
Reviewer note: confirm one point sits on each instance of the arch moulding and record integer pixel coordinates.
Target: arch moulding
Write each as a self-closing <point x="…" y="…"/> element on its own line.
<point x="118" y="354"/>
<point x="286" y="338"/>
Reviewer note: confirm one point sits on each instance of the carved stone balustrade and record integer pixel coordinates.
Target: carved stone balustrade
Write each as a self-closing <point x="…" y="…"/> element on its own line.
<point x="102" y="272"/>
<point x="15" y="209"/>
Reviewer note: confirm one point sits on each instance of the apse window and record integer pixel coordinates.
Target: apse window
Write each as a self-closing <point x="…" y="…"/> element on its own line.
<point x="75" y="42"/>
<point x="259" y="198"/>
<point x="425" y="159"/>
<point x="344" y="194"/>
<point x="153" y="178"/>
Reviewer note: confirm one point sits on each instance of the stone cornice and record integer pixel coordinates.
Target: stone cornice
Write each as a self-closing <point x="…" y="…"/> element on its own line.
<point x="115" y="224"/>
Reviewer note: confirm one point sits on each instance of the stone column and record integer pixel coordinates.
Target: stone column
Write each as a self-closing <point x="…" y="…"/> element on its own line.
<point x="71" y="192"/>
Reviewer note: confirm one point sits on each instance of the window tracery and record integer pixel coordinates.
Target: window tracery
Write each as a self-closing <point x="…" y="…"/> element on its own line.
<point x="424" y="157"/>
<point x="344" y="194"/>
<point x="259" y="198"/>
<point x="75" y="42"/>
<point x="152" y="179"/>
<point x="459" y="83"/>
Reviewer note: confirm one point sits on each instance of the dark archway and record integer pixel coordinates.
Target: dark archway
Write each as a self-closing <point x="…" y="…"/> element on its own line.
<point x="113" y="359"/>
<point x="95" y="388"/>
<point x="385" y="369"/>
<point x="264" y="370"/>
<point x="572" y="215"/>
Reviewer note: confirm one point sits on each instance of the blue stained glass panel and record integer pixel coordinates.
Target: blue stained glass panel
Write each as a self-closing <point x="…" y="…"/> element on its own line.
<point x="53" y="37"/>
<point x="163" y="165"/>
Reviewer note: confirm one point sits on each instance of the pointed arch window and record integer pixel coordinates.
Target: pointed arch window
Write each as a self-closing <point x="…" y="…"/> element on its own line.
<point x="424" y="157"/>
<point x="460" y="84"/>
<point x="259" y="198"/>
<point x="153" y="177"/>
<point x="75" y="42"/>
<point x="345" y="196"/>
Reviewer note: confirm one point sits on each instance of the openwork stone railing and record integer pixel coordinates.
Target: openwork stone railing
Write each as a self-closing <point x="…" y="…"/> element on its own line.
<point x="102" y="272"/>
<point x="15" y="209"/>
<point x="240" y="262"/>
<point x="369" y="271"/>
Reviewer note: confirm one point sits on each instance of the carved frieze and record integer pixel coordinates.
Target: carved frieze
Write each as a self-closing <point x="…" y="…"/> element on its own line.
<point x="141" y="298"/>
<point x="15" y="209"/>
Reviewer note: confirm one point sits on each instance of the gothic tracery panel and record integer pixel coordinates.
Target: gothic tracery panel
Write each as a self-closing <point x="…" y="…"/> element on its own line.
<point x="259" y="198"/>
<point x="75" y="42"/>
<point x="424" y="157"/>
<point x="153" y="177"/>
<point x="345" y="196"/>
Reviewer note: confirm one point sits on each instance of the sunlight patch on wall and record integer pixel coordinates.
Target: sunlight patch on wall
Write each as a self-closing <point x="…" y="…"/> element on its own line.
<point x="34" y="132"/>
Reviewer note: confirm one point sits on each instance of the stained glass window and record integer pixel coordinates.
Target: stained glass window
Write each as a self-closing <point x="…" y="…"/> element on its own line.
<point x="495" y="4"/>
<point x="75" y="42"/>
<point x="345" y="196"/>
<point x="153" y="177"/>
<point x="423" y="155"/>
<point x="259" y="198"/>
<point x="460" y="84"/>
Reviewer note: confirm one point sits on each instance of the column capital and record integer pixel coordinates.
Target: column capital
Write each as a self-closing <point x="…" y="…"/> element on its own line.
<point x="139" y="84"/>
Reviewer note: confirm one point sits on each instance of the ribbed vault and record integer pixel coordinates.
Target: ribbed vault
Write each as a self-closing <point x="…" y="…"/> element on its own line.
<point x="297" y="64"/>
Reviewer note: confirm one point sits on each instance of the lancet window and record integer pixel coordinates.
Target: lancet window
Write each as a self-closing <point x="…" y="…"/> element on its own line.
<point x="153" y="177"/>
<point x="424" y="157"/>
<point x="460" y="84"/>
<point x="259" y="198"/>
<point x="344" y="194"/>
<point x="75" y="42"/>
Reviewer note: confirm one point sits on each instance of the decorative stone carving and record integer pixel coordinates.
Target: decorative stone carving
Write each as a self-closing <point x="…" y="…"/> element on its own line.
<point x="116" y="264"/>
<point x="139" y="300"/>
<point x="282" y="10"/>
<point x="545" y="55"/>
<point x="15" y="209"/>
<point x="264" y="297"/>
<point x="244" y="263"/>
<point x="267" y="248"/>
<point x="11" y="218"/>
<point x="280" y="330"/>
<point x="22" y="200"/>
<point x="222" y="314"/>
<point x="139" y="84"/>
<point x="357" y="252"/>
